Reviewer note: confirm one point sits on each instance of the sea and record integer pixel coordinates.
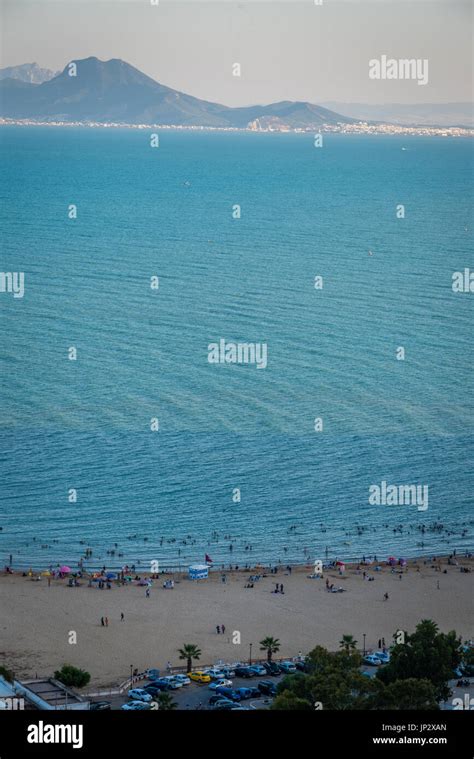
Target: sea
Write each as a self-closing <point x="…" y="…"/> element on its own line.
<point x="118" y="435"/>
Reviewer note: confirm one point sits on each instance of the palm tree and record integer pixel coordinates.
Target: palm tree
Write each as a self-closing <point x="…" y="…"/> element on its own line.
<point x="270" y="645"/>
<point x="189" y="652"/>
<point x="166" y="702"/>
<point x="348" y="643"/>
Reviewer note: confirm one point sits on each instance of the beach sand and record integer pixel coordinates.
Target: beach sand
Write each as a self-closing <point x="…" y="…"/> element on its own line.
<point x="35" y="620"/>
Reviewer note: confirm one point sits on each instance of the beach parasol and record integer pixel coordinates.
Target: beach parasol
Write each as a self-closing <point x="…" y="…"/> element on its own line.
<point x="65" y="569"/>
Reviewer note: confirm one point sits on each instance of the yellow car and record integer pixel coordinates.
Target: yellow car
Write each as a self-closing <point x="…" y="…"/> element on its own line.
<point x="199" y="677"/>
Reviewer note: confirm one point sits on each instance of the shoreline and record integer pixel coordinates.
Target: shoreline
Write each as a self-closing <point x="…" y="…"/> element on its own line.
<point x="19" y="567"/>
<point x="339" y="128"/>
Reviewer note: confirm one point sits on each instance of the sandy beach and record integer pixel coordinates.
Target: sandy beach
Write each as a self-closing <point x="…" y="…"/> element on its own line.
<point x="36" y="619"/>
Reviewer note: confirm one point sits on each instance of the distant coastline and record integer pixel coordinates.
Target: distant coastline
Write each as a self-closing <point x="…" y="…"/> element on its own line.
<point x="340" y="128"/>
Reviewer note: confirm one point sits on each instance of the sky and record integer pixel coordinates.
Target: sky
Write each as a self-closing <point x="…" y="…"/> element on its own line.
<point x="287" y="49"/>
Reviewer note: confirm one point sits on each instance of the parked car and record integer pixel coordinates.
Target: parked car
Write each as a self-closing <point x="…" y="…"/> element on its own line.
<point x="199" y="677"/>
<point x="267" y="688"/>
<point x="98" y="706"/>
<point x="135" y="706"/>
<point x="384" y="656"/>
<point x="183" y="679"/>
<point x="214" y="699"/>
<point x="139" y="694"/>
<point x="255" y="692"/>
<point x="287" y="667"/>
<point x="373" y="660"/>
<point x="257" y="669"/>
<point x="271" y="668"/>
<point x="162" y="682"/>
<point x="248" y="693"/>
<point x="152" y="674"/>
<point x="154" y="690"/>
<point x="243" y="672"/>
<point x="229" y="693"/>
<point x="171" y="681"/>
<point x="222" y="683"/>
<point x="228" y="672"/>
<point x="301" y="665"/>
<point x="214" y="673"/>
<point x="224" y="705"/>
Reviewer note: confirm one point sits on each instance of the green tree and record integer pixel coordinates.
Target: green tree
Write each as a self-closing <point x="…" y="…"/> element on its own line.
<point x="166" y="702"/>
<point x="333" y="679"/>
<point x="468" y="662"/>
<point x="426" y="654"/>
<point x="348" y="643"/>
<point x="189" y="652"/>
<point x="7" y="674"/>
<point x="409" y="694"/>
<point x="72" y="676"/>
<point x="288" y="701"/>
<point x="270" y="645"/>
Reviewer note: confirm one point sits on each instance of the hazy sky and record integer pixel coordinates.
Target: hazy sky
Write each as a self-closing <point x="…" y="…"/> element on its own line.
<point x="288" y="49"/>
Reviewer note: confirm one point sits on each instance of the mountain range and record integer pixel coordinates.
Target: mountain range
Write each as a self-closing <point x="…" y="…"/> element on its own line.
<point x="28" y="72"/>
<point x="115" y="91"/>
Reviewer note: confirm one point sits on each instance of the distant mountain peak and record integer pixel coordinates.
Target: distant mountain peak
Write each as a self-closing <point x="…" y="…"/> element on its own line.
<point x="27" y="72"/>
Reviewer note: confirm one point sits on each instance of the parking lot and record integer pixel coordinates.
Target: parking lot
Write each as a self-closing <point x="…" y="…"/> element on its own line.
<point x="196" y="695"/>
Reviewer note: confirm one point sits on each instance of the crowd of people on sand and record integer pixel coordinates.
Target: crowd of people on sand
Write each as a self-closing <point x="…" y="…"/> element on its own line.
<point x="103" y="579"/>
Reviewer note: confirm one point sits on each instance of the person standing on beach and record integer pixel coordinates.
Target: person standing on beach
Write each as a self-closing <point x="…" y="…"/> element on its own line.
<point x="223" y="629"/>
<point x="218" y="629"/>
<point x="106" y="621"/>
<point x="102" y="621"/>
<point x="122" y="616"/>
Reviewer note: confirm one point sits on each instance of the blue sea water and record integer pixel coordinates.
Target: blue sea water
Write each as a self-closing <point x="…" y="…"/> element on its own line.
<point x="142" y="353"/>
